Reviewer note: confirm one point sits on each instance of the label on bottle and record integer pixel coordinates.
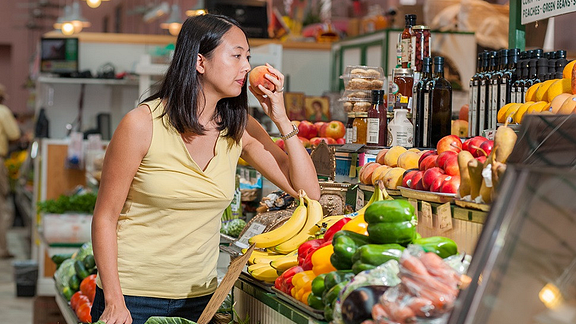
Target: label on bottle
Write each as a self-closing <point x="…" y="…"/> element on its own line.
<point x="412" y="51"/>
<point x="373" y="130"/>
<point x="493" y="105"/>
<point x="406" y="50"/>
<point x="472" y="110"/>
<point x="349" y="135"/>
<point x="354" y="134"/>
<point x="502" y="94"/>
<point x="513" y="94"/>
<point x="426" y="123"/>
<point x="482" y="107"/>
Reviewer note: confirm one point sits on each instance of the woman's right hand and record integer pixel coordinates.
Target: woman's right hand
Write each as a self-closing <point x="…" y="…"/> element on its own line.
<point x="116" y="313"/>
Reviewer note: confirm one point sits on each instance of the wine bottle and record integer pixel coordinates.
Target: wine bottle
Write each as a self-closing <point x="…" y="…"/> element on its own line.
<point x="407" y="36"/>
<point x="440" y="103"/>
<point x="376" y="121"/>
<point x="421" y="98"/>
<point x="484" y="93"/>
<point x="508" y="77"/>
<point x="501" y="62"/>
<point x="473" y="104"/>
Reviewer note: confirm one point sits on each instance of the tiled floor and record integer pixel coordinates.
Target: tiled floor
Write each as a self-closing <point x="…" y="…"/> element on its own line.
<point x="15" y="309"/>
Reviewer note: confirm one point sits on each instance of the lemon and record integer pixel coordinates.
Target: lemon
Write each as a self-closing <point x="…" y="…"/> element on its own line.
<point x="558" y="87"/>
<point x="503" y="112"/>
<point x="567" y="72"/>
<point x="531" y="92"/>
<point x="542" y="92"/>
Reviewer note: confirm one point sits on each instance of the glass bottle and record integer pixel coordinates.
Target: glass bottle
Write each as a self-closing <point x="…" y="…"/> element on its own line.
<point x="483" y="94"/>
<point x="440" y="103"/>
<point x="561" y="62"/>
<point x="407" y="35"/>
<point x="501" y="63"/>
<point x="551" y="65"/>
<point x="376" y="121"/>
<point x="542" y="69"/>
<point x="518" y="76"/>
<point x="422" y="105"/>
<point x="350" y="137"/>
<point x="473" y="104"/>
<point x="508" y="77"/>
<point x="360" y="127"/>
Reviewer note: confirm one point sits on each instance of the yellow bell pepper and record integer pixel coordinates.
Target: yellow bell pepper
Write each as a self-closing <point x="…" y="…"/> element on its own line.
<point x="302" y="282"/>
<point x="304" y="297"/>
<point x="321" y="260"/>
<point x="357" y="225"/>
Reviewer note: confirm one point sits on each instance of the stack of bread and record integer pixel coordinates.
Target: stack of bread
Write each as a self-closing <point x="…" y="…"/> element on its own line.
<point x="359" y="81"/>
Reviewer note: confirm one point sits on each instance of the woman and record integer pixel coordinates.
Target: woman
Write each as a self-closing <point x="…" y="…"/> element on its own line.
<point x="169" y="174"/>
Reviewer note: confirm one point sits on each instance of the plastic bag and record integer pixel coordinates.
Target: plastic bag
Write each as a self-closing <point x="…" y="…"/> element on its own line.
<point x="429" y="286"/>
<point x="64" y="272"/>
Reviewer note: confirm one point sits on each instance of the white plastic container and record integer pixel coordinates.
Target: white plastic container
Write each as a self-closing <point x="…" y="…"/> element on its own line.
<point x="400" y="130"/>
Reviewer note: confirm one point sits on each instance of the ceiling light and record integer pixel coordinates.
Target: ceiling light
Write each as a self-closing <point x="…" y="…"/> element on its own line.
<point x="76" y="18"/>
<point x="94" y="3"/>
<point x="174" y="21"/>
<point x="63" y="18"/>
<point x="199" y="9"/>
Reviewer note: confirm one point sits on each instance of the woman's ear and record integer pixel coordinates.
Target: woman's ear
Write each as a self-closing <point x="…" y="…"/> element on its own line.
<point x="200" y="64"/>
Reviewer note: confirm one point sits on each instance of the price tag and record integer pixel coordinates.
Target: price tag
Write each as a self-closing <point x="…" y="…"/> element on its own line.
<point x="254" y="229"/>
<point x="427" y="215"/>
<point x="359" y="198"/>
<point x="444" y="217"/>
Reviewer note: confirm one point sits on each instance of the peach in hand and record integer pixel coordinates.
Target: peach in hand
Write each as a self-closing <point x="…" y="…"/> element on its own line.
<point x="258" y="76"/>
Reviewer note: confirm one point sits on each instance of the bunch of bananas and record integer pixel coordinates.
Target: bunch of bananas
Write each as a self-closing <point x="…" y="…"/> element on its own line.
<point x="282" y="243"/>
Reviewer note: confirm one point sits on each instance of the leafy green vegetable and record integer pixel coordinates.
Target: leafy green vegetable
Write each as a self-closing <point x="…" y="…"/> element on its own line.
<point x="81" y="203"/>
<point x="168" y="320"/>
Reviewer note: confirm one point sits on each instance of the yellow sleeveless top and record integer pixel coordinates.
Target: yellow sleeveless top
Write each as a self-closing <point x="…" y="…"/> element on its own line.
<point x="168" y="230"/>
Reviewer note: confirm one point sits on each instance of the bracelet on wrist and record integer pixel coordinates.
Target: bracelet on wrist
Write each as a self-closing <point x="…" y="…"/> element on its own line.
<point x="291" y="134"/>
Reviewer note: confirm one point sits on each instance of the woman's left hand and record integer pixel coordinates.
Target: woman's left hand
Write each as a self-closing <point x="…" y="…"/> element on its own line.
<point x="272" y="102"/>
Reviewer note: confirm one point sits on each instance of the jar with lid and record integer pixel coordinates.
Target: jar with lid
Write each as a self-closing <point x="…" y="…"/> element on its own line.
<point x="403" y="83"/>
<point x="360" y="127"/>
<point x="400" y="130"/>
<point x="376" y="134"/>
<point x="350" y="136"/>
<point x="421" y="46"/>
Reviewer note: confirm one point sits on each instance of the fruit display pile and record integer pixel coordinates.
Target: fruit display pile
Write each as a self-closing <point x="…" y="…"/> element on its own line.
<point x="311" y="134"/>
<point x="313" y="259"/>
<point x="76" y="280"/>
<point x="555" y="96"/>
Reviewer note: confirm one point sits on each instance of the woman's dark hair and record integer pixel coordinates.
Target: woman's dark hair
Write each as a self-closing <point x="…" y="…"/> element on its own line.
<point x="181" y="87"/>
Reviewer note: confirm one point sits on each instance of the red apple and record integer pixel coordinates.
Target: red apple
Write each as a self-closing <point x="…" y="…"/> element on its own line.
<point x="341" y="140"/>
<point x="304" y="141"/>
<point x="407" y="179"/>
<point x="429" y="176"/>
<point x="335" y="129"/>
<point x="473" y="145"/>
<point x="306" y="129"/>
<point x="437" y="183"/>
<point x="451" y="166"/>
<point x="258" y="77"/>
<point x="322" y="131"/>
<point x="450" y="185"/>
<point x="428" y="162"/>
<point x="481" y="159"/>
<point x="329" y="140"/>
<point x="449" y="143"/>
<point x="441" y="160"/>
<point x="419" y="185"/>
<point x="416" y="178"/>
<point x="425" y="154"/>
<point x="318" y="126"/>
<point x="314" y="141"/>
<point x="487" y="146"/>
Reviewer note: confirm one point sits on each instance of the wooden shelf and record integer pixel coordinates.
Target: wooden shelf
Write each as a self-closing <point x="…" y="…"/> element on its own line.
<point x="58" y="80"/>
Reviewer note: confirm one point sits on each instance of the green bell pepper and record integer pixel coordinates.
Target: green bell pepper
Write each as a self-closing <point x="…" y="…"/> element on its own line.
<point x="318" y="285"/>
<point x="335" y="277"/>
<point x="391" y="221"/>
<point x="330" y="295"/>
<point x="315" y="301"/>
<point x="440" y="245"/>
<point x="346" y="243"/>
<point x="358" y="267"/>
<point x="370" y="256"/>
<point x="340" y="263"/>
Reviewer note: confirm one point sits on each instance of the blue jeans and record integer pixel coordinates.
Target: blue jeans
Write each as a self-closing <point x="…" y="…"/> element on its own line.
<point x="142" y="308"/>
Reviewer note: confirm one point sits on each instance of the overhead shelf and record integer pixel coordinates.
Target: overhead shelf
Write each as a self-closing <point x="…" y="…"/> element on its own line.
<point x="59" y="80"/>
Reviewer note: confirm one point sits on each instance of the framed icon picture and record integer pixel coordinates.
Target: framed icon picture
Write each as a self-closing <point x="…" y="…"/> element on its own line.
<point x="317" y="109"/>
<point x="294" y="102"/>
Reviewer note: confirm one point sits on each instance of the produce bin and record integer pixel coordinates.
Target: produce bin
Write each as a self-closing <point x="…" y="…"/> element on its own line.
<point x="26" y="277"/>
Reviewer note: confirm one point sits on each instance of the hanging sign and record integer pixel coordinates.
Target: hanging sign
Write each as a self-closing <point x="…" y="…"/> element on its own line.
<point x="533" y="10"/>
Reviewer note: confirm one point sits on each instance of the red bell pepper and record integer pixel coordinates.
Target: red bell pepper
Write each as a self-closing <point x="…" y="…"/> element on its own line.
<point x="307" y="265"/>
<point x="285" y="282"/>
<point x="305" y="247"/>
<point x="335" y="228"/>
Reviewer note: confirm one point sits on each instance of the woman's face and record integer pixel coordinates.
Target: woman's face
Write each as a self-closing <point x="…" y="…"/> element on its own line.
<point x="225" y="71"/>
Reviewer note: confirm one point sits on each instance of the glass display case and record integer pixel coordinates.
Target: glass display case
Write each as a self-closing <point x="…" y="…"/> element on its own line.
<point x="524" y="267"/>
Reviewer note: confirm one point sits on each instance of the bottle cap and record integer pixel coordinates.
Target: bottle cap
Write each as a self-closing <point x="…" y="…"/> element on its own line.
<point x="560" y="54"/>
<point x="438" y="60"/>
<point x="377" y="96"/>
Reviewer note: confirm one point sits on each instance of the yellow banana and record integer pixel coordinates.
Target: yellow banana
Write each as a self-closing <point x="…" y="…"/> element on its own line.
<point x="267" y="259"/>
<point x="285" y="263"/>
<point x="266" y="274"/>
<point x="251" y="268"/>
<point x="284" y="232"/>
<point x="329" y="221"/>
<point x="262" y="255"/>
<point x="314" y="215"/>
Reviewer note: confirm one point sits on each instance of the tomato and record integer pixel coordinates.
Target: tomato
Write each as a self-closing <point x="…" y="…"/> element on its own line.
<point x="88" y="287"/>
<point x="77" y="299"/>
<point x="83" y="313"/>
